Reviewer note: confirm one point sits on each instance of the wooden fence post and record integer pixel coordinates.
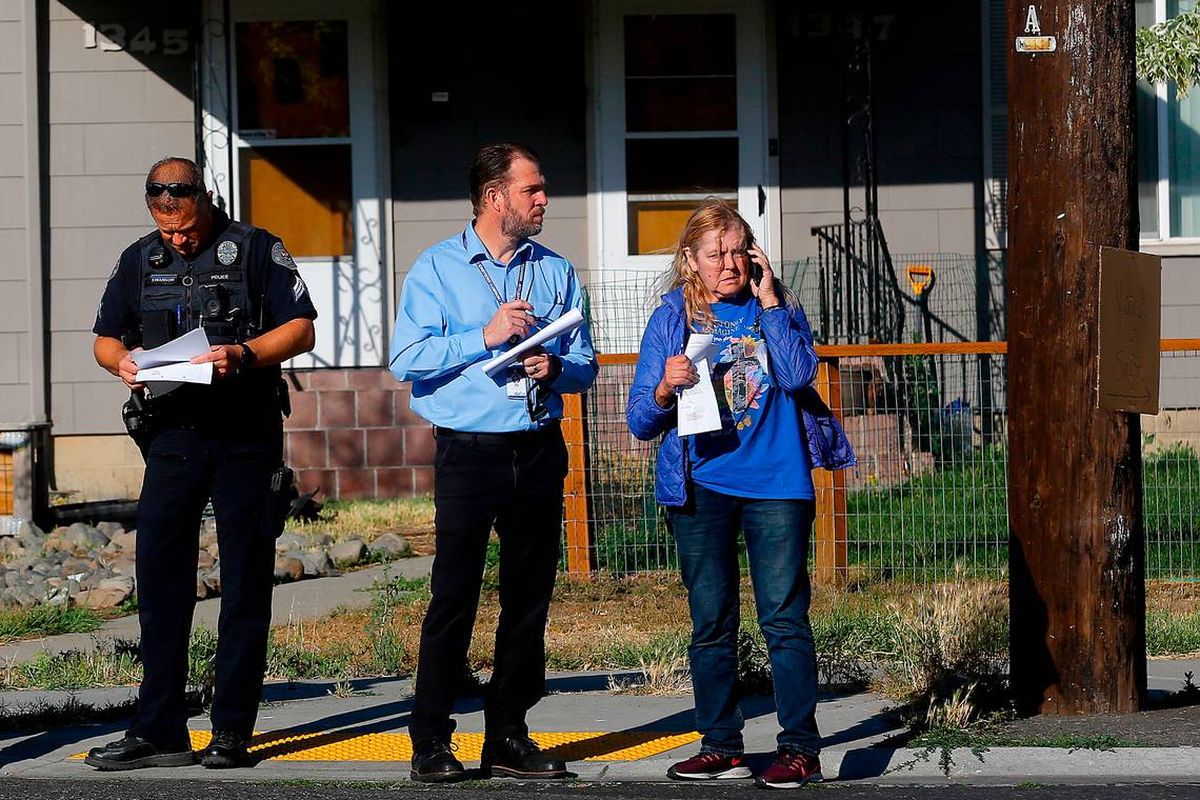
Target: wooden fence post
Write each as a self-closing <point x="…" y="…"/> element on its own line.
<point x="832" y="561"/>
<point x="575" y="489"/>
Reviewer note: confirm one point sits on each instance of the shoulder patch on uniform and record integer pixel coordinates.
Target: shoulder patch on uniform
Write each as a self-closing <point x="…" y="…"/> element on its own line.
<point x="282" y="257"/>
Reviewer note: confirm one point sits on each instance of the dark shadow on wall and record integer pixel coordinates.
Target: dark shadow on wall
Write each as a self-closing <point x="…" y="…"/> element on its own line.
<point x="502" y="71"/>
<point x="161" y="36"/>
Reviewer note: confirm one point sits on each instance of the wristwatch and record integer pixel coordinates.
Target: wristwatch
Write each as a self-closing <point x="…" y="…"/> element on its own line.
<point x="248" y="357"/>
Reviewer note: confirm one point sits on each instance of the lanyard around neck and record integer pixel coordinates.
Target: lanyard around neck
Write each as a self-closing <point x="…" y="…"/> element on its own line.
<point x="492" y="284"/>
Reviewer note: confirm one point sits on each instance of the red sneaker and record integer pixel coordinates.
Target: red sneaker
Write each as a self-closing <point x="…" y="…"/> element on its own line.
<point x="791" y="770"/>
<point x="708" y="766"/>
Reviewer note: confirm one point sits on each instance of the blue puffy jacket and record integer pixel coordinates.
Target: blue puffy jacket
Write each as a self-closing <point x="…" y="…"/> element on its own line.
<point x="793" y="367"/>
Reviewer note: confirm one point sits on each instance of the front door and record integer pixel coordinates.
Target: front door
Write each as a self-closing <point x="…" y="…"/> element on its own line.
<point x="290" y="145"/>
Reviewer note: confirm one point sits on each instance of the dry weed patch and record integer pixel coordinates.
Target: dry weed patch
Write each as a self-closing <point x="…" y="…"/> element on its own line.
<point x="411" y="517"/>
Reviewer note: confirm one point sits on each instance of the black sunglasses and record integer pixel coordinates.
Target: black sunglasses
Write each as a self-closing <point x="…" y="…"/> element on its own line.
<point x="154" y="189"/>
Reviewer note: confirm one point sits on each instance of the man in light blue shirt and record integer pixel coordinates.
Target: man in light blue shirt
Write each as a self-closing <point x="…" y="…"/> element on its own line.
<point x="500" y="457"/>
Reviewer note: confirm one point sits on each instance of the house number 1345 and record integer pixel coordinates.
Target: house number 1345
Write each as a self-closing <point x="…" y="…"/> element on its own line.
<point x="114" y="37"/>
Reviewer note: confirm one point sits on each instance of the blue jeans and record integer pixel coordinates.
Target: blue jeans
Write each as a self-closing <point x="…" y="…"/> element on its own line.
<point x="776" y="531"/>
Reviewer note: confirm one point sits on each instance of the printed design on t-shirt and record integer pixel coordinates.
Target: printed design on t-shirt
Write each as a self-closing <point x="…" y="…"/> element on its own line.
<point x="739" y="375"/>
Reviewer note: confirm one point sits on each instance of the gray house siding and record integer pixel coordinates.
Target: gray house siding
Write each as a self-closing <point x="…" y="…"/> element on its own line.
<point x="110" y="114"/>
<point x="540" y="100"/>
<point x="16" y="267"/>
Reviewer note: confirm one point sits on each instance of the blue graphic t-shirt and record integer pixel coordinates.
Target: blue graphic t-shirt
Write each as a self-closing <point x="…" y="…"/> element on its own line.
<point x="759" y="452"/>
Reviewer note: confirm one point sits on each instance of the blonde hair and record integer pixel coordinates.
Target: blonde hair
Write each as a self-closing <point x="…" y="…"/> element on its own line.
<point x="713" y="215"/>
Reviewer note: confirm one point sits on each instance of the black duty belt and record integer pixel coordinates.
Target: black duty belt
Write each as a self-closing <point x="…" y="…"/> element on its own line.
<point x="509" y="438"/>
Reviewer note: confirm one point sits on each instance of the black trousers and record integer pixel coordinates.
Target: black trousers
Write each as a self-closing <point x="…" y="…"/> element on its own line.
<point x="515" y="483"/>
<point x="184" y="468"/>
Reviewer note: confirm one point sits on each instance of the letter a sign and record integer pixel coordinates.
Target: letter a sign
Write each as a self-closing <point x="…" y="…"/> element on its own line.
<point x="1032" y="26"/>
<point x="1033" y="41"/>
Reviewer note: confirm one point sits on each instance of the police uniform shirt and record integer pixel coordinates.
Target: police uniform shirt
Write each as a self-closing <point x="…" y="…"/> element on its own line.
<point x="272" y="281"/>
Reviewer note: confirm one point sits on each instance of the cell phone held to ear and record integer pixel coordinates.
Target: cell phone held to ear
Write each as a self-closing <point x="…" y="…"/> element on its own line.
<point x="756" y="271"/>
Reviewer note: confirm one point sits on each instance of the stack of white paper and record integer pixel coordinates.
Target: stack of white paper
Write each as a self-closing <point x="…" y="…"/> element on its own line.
<point x="172" y="361"/>
<point x="563" y="325"/>
<point x="698" y="411"/>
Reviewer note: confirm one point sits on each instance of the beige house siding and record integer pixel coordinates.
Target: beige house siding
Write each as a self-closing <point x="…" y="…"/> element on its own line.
<point x="110" y="114"/>
<point x="16" y="269"/>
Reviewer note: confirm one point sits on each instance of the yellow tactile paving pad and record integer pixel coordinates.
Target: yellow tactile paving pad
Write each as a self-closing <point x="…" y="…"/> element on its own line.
<point x="349" y="746"/>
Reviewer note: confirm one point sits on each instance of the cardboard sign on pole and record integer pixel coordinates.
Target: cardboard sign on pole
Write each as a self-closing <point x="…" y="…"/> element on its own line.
<point x="1130" y="317"/>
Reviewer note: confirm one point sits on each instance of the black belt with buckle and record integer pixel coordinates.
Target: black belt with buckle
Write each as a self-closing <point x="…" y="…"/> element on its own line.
<point x="506" y="438"/>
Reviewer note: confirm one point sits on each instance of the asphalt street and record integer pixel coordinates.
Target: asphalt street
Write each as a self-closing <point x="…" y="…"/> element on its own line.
<point x="118" y="789"/>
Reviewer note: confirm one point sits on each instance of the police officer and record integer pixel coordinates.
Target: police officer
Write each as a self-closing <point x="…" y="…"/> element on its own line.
<point x="220" y="441"/>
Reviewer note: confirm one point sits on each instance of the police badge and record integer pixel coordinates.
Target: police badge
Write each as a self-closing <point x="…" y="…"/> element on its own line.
<point x="227" y="252"/>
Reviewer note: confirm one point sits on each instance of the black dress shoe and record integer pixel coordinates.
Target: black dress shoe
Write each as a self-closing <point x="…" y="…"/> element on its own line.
<point x="134" y="752"/>
<point x="434" y="763"/>
<point x="519" y="757"/>
<point x="225" y="751"/>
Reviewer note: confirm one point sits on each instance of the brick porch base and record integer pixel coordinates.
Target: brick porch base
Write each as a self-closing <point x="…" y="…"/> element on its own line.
<point x="352" y="434"/>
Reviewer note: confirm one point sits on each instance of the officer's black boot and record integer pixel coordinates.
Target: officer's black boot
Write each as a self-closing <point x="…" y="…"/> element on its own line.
<point x="134" y="752"/>
<point x="226" y="750"/>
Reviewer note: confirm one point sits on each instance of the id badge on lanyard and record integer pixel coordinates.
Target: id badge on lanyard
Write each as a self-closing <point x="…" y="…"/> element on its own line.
<point x="518" y="385"/>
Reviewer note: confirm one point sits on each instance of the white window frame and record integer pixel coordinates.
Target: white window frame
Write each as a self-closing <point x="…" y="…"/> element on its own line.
<point x="757" y="168"/>
<point x="1165" y="244"/>
<point x="354" y="311"/>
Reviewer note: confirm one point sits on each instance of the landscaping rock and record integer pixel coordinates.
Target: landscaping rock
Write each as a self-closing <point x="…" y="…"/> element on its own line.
<point x="84" y="538"/>
<point x="124" y="566"/>
<point x="38" y="589"/>
<point x="208" y="531"/>
<point x="24" y="564"/>
<point x="75" y="566"/>
<point x="60" y="595"/>
<point x="390" y="545"/>
<point x="18" y="596"/>
<point x="288" y="569"/>
<point x="12" y="547"/>
<point x="288" y="542"/>
<point x="204" y="562"/>
<point x="207" y="541"/>
<point x="93" y="579"/>
<point x="31" y="536"/>
<point x="214" y="550"/>
<point x="321" y="540"/>
<point x="55" y="541"/>
<point x="125" y="541"/>
<point x="201" y="586"/>
<point x="213" y="581"/>
<point x="348" y="553"/>
<point x="109" y="594"/>
<point x="110" y="529"/>
<point x="317" y="564"/>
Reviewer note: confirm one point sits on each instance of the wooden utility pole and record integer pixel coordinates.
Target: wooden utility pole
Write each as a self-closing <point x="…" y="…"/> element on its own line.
<point x="1076" y="563"/>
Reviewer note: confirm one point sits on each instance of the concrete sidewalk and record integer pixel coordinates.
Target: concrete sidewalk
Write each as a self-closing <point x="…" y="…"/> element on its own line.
<point x="309" y="732"/>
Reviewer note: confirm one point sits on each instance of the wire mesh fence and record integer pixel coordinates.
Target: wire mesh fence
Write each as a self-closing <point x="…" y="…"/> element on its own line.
<point x="1171" y="471"/>
<point x="962" y="302"/>
<point x="929" y="495"/>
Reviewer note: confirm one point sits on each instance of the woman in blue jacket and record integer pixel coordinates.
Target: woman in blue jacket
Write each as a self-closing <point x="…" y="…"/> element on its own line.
<point x="753" y="474"/>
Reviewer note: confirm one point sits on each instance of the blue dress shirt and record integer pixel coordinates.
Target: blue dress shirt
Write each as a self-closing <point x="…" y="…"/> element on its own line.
<point x="437" y="342"/>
